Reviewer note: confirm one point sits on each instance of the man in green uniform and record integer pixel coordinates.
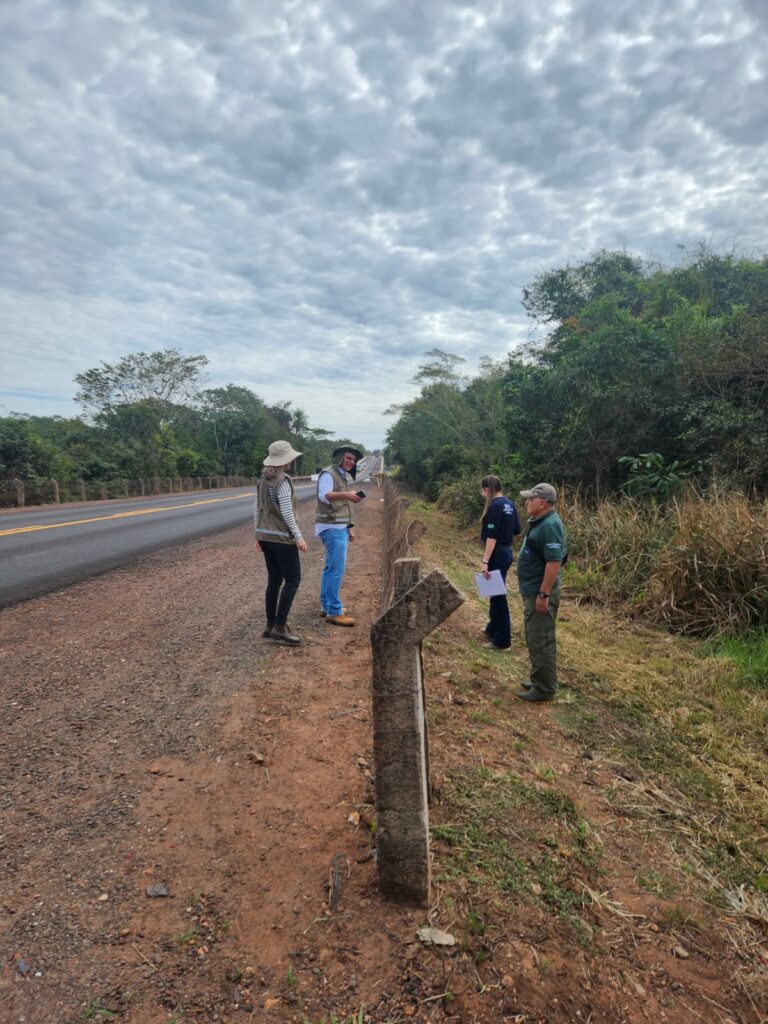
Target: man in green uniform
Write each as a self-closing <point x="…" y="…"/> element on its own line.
<point x="538" y="575"/>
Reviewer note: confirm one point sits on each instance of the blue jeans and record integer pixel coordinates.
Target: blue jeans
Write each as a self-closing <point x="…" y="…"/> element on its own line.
<point x="336" y="543"/>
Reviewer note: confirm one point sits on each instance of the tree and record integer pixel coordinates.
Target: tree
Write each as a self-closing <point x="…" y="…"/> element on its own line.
<point x="24" y="454"/>
<point x="140" y="398"/>
<point x="237" y="424"/>
<point x="165" y="379"/>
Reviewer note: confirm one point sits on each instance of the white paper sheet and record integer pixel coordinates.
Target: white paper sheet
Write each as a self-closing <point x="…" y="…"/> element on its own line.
<point x="492" y="587"/>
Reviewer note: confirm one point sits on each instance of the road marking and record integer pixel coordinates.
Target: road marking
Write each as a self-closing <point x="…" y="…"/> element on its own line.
<point x="123" y="515"/>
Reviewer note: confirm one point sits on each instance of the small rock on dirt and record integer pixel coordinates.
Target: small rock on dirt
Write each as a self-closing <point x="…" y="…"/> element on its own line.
<point x="158" y="890"/>
<point x="435" y="937"/>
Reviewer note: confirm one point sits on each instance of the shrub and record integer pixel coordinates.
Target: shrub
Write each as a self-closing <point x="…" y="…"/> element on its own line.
<point x="698" y="564"/>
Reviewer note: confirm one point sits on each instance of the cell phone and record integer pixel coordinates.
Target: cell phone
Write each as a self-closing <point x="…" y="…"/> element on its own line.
<point x="361" y="494"/>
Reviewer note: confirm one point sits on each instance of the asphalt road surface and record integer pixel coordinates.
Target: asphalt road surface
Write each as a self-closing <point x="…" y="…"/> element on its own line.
<point x="50" y="548"/>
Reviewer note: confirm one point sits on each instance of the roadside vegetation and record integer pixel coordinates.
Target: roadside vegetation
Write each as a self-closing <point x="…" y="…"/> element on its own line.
<point x="150" y="415"/>
<point x="642" y="379"/>
<point x="625" y="829"/>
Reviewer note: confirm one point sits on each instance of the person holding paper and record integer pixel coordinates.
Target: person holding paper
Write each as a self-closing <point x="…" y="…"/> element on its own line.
<point x="500" y="526"/>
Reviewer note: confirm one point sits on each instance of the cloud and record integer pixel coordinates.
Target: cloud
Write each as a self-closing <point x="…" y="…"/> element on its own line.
<point x="314" y="195"/>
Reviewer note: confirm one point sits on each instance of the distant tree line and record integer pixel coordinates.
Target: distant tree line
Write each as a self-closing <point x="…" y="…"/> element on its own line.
<point x="649" y="377"/>
<point x="148" y="415"/>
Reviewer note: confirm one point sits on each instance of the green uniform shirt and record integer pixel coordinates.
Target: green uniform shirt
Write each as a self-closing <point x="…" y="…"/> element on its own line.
<point x="544" y="542"/>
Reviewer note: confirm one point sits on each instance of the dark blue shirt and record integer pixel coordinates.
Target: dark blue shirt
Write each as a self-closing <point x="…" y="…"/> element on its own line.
<point x="501" y="522"/>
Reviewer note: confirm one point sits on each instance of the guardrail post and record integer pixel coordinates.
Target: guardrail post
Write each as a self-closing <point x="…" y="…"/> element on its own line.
<point x="399" y="736"/>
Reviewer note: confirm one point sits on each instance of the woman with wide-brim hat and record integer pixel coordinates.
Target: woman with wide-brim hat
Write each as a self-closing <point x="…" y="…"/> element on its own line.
<point x="279" y="538"/>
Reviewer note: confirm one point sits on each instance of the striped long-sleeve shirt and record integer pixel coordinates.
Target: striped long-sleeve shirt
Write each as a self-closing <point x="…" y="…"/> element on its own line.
<point x="283" y="497"/>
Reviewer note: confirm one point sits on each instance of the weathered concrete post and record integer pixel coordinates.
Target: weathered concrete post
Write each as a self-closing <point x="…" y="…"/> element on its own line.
<point x="399" y="734"/>
<point x="19" y="485"/>
<point x="56" y="492"/>
<point x="81" y="485"/>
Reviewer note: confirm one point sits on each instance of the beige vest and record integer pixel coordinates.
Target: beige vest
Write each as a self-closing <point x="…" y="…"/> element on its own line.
<point x="338" y="512"/>
<point x="271" y="525"/>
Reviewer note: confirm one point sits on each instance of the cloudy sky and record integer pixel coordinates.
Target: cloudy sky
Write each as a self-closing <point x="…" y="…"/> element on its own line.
<point x="315" y="193"/>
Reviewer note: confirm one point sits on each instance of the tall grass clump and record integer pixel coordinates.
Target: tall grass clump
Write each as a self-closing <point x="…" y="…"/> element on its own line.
<point x="698" y="564"/>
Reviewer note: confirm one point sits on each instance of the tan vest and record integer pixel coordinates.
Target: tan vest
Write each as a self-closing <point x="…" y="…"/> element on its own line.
<point x="338" y="512"/>
<point x="271" y="525"/>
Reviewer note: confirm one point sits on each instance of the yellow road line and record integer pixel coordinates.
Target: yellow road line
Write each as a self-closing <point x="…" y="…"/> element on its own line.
<point x="123" y="515"/>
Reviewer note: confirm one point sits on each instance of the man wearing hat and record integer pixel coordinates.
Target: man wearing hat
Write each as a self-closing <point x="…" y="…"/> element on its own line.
<point x="538" y="575"/>
<point x="334" y="525"/>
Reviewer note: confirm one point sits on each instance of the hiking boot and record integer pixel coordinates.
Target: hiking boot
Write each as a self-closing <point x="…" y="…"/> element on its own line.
<point x="526" y="684"/>
<point x="324" y="613"/>
<point x="534" y="696"/>
<point x="340" y="620"/>
<point x="284" y="635"/>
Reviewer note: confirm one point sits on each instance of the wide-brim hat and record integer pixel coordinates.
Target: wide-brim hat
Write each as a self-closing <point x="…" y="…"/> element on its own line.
<point x="280" y="454"/>
<point x="348" y="448"/>
<point x="545" y="491"/>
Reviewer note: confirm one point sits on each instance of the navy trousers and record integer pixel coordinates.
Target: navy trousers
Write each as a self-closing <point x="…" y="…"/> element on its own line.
<point x="498" y="629"/>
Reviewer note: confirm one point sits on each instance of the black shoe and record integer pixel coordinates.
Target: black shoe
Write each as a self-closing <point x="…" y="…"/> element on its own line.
<point x="535" y="696"/>
<point x="497" y="647"/>
<point x="526" y="684"/>
<point x="282" y="634"/>
<point x="268" y="632"/>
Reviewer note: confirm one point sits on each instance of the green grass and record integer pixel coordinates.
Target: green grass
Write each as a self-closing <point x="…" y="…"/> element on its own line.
<point x="494" y="838"/>
<point x="748" y="653"/>
<point x="95" y="1012"/>
<point x="654" y="881"/>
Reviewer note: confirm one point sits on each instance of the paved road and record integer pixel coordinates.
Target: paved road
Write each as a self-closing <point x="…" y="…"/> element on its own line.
<point x="47" y="549"/>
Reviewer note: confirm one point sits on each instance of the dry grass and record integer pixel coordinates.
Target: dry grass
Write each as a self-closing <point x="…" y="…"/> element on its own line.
<point x="674" y="723"/>
<point x="698" y="565"/>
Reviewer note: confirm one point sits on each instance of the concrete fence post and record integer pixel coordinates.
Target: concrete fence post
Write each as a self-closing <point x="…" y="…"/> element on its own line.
<point x="399" y="733"/>
<point x="104" y="492"/>
<point x="141" y="486"/>
<point x="83" y="493"/>
<point x="19" y="485"/>
<point x="56" y="492"/>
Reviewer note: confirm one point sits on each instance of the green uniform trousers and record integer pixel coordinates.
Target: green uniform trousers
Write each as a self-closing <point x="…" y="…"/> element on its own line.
<point x="541" y="642"/>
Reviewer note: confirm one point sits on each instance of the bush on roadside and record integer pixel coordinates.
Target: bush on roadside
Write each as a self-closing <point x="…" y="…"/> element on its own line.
<point x="698" y="564"/>
<point x="463" y="499"/>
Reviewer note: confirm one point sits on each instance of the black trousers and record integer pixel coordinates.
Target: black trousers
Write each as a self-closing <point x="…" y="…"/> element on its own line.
<point x="499" y="627"/>
<point x="283" y="579"/>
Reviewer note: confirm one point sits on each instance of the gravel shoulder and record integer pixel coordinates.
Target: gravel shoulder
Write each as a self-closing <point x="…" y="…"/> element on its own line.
<point x="152" y="737"/>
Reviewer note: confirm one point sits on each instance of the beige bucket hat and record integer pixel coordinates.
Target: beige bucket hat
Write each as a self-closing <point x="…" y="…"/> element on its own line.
<point x="280" y="453"/>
